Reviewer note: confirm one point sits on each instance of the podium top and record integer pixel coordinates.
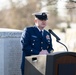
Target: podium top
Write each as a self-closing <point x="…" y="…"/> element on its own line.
<point x="63" y="53"/>
<point x="55" y="54"/>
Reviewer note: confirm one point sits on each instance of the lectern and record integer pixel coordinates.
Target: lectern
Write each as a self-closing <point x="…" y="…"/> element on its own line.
<point x="63" y="63"/>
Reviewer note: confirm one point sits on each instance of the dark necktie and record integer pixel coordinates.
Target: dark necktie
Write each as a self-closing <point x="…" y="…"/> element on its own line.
<point x="41" y="33"/>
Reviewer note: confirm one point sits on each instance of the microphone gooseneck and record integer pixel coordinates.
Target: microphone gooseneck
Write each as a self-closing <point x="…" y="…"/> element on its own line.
<point x="57" y="38"/>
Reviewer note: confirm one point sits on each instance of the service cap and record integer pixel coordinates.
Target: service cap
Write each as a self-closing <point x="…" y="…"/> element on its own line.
<point x="41" y="15"/>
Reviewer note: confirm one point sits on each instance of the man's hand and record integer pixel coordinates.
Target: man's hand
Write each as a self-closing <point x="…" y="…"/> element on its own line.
<point x="43" y="52"/>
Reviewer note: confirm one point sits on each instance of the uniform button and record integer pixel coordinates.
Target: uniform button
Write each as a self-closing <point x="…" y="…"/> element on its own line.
<point x="41" y="42"/>
<point x="32" y="43"/>
<point x="31" y="50"/>
<point x="41" y="47"/>
<point x="33" y="40"/>
<point x="49" y="41"/>
<point x="47" y="47"/>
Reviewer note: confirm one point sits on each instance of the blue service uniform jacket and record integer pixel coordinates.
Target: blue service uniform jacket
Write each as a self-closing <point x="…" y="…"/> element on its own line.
<point x="32" y="43"/>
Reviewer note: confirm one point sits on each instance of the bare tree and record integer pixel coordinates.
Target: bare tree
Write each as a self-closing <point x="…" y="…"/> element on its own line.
<point x="21" y="16"/>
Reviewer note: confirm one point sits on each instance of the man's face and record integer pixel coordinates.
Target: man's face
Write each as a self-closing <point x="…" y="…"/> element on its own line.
<point x="41" y="23"/>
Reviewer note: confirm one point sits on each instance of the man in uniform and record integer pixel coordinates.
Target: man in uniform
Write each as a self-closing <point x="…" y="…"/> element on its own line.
<point x="36" y="40"/>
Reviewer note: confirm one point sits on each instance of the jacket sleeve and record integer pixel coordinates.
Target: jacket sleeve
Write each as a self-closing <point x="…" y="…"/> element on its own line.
<point x="26" y="42"/>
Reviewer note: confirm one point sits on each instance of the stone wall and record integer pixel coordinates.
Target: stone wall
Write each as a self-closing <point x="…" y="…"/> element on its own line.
<point x="10" y="52"/>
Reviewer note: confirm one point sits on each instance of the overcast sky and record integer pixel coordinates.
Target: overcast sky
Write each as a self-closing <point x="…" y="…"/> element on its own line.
<point x="61" y="7"/>
<point x="4" y="3"/>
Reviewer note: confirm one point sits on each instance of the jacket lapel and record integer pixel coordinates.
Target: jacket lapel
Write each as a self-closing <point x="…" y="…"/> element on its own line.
<point x="36" y="31"/>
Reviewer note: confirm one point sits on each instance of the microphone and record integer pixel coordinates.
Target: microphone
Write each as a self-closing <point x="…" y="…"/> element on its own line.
<point x="57" y="38"/>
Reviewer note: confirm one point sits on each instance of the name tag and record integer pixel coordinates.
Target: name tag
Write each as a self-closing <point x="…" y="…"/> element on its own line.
<point x="34" y="36"/>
